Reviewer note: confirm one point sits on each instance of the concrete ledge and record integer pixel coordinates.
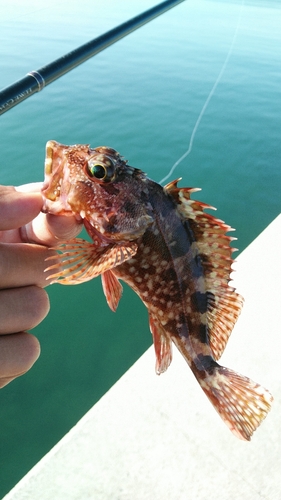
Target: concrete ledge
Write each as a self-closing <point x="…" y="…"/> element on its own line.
<point x="156" y="438"/>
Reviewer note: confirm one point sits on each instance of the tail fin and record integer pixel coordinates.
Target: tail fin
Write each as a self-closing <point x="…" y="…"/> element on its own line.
<point x="241" y="403"/>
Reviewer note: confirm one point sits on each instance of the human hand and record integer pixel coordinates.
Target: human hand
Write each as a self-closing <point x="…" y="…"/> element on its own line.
<point x="25" y="234"/>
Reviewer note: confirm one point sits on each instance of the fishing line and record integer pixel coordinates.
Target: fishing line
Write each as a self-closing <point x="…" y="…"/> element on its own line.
<point x="202" y="112"/>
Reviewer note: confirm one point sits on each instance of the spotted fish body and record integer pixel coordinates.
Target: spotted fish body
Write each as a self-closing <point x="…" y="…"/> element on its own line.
<point x="176" y="257"/>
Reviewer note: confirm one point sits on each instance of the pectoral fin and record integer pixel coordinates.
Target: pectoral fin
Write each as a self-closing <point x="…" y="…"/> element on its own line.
<point x="80" y="261"/>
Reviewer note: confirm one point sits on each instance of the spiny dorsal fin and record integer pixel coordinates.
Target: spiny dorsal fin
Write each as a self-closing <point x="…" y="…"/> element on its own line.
<point x="213" y="246"/>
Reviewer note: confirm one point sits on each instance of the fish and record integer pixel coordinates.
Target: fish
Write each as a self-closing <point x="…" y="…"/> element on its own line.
<point x="176" y="256"/>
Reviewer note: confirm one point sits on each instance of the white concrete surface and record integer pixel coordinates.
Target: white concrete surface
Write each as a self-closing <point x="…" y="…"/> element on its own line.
<point x="159" y="438"/>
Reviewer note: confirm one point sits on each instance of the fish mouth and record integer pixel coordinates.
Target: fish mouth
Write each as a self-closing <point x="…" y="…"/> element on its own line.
<point x="56" y="184"/>
<point x="51" y="167"/>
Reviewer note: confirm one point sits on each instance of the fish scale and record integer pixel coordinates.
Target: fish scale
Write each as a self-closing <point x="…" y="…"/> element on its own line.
<point x="172" y="253"/>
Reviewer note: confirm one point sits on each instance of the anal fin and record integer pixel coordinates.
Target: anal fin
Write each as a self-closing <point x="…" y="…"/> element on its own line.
<point x="162" y="345"/>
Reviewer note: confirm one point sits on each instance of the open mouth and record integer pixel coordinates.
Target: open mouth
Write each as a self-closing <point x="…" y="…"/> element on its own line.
<point x="56" y="183"/>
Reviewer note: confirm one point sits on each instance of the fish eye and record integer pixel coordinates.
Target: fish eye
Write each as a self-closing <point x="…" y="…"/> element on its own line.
<point x="101" y="172"/>
<point x="97" y="170"/>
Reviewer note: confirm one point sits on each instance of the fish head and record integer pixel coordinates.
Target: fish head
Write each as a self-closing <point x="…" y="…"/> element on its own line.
<point x="98" y="186"/>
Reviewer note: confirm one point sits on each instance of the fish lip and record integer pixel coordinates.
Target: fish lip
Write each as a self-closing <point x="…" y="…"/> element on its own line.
<point x="58" y="208"/>
<point x="48" y="165"/>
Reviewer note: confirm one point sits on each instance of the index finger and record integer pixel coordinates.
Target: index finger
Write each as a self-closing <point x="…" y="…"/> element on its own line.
<point x="17" y="209"/>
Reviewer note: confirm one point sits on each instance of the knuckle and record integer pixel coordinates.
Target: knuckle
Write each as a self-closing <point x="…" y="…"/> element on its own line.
<point x="37" y="305"/>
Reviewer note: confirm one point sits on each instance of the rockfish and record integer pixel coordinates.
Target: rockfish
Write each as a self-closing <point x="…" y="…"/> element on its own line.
<point x="172" y="253"/>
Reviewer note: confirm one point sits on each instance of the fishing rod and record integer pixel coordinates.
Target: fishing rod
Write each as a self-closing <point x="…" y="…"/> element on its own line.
<point x="36" y="81"/>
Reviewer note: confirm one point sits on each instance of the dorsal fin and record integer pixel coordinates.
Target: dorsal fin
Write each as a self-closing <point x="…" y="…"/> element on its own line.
<point x="213" y="246"/>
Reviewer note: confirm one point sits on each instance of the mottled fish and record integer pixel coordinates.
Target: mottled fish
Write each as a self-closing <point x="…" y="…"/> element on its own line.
<point x="172" y="253"/>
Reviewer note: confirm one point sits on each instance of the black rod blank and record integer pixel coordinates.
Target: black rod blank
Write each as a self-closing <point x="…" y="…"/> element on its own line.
<point x="37" y="80"/>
